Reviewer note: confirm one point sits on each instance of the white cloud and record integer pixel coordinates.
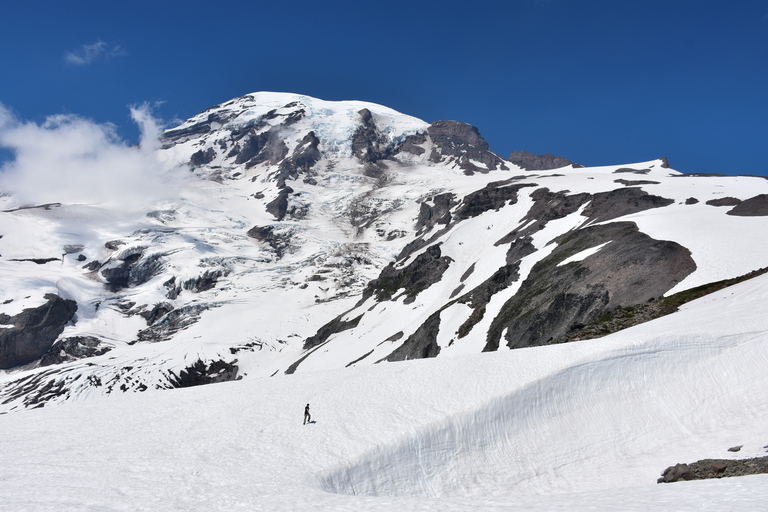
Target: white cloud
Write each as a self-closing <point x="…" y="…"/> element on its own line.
<point x="68" y="159"/>
<point x="88" y="53"/>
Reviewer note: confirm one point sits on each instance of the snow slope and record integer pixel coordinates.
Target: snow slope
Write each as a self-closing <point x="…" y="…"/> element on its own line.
<point x="581" y="426"/>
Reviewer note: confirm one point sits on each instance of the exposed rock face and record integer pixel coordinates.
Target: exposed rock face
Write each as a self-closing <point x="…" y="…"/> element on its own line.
<point x="724" y="201"/>
<point x="636" y="183"/>
<point x="71" y="349"/>
<point x="421" y="344"/>
<point x="34" y="331"/>
<point x="334" y="326"/>
<point x="201" y="373"/>
<point x="461" y="143"/>
<point x="714" y="468"/>
<point x="439" y="213"/>
<point x="202" y="157"/>
<point x="304" y="156"/>
<point x="134" y="269"/>
<point x="368" y="143"/>
<point x="753" y="207"/>
<point x="425" y="270"/>
<point x="412" y="144"/>
<point x="632" y="268"/>
<point x="265" y="147"/>
<point x="625" y="201"/>
<point x="172" y="322"/>
<point x="492" y="197"/>
<point x="532" y="162"/>
<point x="275" y="237"/>
<point x="157" y="312"/>
<point x="204" y="282"/>
<point x="479" y="297"/>
<point x="279" y="206"/>
<point x="676" y="472"/>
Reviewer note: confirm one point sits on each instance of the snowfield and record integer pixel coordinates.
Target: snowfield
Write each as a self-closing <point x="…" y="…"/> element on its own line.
<point x="581" y="426"/>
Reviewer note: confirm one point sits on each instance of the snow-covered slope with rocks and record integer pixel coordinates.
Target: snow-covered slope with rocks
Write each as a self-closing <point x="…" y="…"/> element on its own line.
<point x="588" y="425"/>
<point x="308" y="235"/>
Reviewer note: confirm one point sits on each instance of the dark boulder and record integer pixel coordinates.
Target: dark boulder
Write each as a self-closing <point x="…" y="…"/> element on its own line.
<point x="676" y="473"/>
<point x="206" y="281"/>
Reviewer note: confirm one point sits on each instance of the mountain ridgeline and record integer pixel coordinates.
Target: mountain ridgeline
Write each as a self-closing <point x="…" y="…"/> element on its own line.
<point x="313" y="235"/>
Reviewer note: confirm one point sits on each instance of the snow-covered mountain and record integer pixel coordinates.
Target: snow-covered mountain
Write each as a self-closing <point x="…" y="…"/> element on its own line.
<point x="310" y="235"/>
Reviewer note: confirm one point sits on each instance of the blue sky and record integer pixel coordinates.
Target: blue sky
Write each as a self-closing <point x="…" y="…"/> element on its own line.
<point x="598" y="82"/>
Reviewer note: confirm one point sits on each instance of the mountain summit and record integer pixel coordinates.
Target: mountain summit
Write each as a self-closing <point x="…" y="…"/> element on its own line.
<point x="311" y="235"/>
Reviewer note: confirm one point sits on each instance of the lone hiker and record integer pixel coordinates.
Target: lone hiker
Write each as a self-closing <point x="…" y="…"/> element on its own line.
<point x="307" y="417"/>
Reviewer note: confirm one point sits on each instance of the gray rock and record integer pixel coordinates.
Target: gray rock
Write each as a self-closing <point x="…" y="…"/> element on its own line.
<point x="714" y="468"/>
<point x="172" y="322"/>
<point x="202" y="157"/>
<point x="494" y="196"/>
<point x="753" y="207"/>
<point x="440" y="213"/>
<point x="724" y="201"/>
<point x="675" y="473"/>
<point x="201" y="373"/>
<point x="462" y="143"/>
<point x="369" y="145"/>
<point x="531" y="162"/>
<point x="34" y="331"/>
<point x="421" y="344"/>
<point x="631" y="269"/>
<point x="425" y="270"/>
<point x="71" y="349"/>
<point x="135" y="269"/>
<point x="625" y="201"/>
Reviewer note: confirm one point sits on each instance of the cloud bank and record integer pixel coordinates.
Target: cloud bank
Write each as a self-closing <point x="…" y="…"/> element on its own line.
<point x="68" y="159"/>
<point x="91" y="52"/>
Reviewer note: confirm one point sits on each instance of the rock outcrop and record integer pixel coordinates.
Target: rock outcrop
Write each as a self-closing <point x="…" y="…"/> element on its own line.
<point x="33" y="331"/>
<point x="532" y="162"/>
